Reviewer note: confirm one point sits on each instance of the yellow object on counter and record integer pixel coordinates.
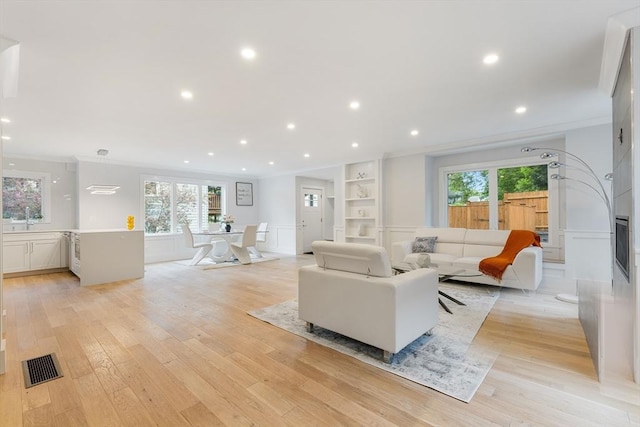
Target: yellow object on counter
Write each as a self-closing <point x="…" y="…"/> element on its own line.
<point x="130" y="222"/>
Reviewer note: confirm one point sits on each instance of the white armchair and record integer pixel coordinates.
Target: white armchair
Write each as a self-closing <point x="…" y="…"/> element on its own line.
<point x="352" y="291"/>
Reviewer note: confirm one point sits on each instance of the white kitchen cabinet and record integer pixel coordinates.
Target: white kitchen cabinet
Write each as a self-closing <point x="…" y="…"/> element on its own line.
<point x="30" y="251"/>
<point x="15" y="256"/>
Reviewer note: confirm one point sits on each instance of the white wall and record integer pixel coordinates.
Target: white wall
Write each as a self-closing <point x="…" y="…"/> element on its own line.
<point x="63" y="192"/>
<point x="406" y="206"/>
<point x="587" y="234"/>
<point x="97" y="211"/>
<point x="110" y="212"/>
<point x="277" y="202"/>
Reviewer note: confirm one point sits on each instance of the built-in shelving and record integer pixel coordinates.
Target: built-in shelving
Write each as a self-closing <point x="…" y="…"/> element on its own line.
<point x="362" y="202"/>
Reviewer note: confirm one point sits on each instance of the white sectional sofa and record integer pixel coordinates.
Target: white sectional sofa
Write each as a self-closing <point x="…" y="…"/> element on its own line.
<point x="352" y="291"/>
<point x="461" y="250"/>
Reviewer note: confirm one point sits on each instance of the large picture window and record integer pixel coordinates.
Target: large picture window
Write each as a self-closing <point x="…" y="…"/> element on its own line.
<point x="168" y="203"/>
<point x="499" y="198"/>
<point x="25" y="193"/>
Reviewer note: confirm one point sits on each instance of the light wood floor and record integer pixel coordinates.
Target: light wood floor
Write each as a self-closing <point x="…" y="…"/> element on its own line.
<point x="177" y="348"/>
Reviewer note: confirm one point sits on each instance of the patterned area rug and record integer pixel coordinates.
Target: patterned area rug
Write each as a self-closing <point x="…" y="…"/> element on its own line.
<point x="445" y="361"/>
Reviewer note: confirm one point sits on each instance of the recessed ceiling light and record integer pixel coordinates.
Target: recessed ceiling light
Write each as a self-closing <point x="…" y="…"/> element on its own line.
<point x="248" y="53"/>
<point x="6" y="138"/>
<point x="272" y="163"/>
<point x="291" y="125"/>
<point x="354" y="105"/>
<point x="243" y="141"/>
<point x="12" y="164"/>
<point x="244" y="169"/>
<point x="210" y="153"/>
<point x="490" y="59"/>
<point x="307" y="155"/>
<point x="5" y="120"/>
<point x="186" y="161"/>
<point x="521" y="110"/>
<point x="354" y="144"/>
<point x="414" y="132"/>
<point x="186" y="94"/>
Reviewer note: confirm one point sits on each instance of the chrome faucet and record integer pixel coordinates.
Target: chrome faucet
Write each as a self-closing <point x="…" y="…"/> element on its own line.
<point x="26" y="217"/>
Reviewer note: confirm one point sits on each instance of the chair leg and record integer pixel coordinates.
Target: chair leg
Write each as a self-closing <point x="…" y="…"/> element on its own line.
<point x="242" y="254"/>
<point x="309" y="327"/>
<point x="256" y="252"/>
<point x="202" y="252"/>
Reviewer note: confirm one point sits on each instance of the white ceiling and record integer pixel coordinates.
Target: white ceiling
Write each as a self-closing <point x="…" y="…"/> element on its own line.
<point x="109" y="74"/>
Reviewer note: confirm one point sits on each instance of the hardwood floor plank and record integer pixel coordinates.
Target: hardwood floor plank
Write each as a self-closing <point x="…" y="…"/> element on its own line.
<point x="11" y="409"/>
<point x="164" y="378"/>
<point x="97" y="406"/>
<point x="210" y="397"/>
<point x="130" y="410"/>
<point x="199" y="416"/>
<point x="40" y="416"/>
<point x="177" y="348"/>
<point x="156" y="401"/>
<point x="73" y="417"/>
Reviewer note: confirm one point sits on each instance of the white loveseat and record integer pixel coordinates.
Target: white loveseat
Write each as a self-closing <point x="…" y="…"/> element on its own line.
<point x="352" y="291"/>
<point x="461" y="250"/>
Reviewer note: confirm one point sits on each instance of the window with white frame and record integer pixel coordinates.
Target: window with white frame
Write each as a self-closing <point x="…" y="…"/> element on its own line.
<point x="170" y="202"/>
<point x="500" y="196"/>
<point x="26" y="193"/>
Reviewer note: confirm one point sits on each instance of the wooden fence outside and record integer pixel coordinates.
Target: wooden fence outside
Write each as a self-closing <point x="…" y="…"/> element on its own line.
<point x="517" y="211"/>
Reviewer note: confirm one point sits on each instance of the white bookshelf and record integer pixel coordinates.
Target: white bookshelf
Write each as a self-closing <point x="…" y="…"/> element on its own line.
<point x="362" y="192"/>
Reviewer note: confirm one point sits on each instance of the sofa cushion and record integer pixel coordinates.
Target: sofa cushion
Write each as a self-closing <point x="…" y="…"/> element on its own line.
<point x="352" y="257"/>
<point x="424" y="244"/>
<point x="484" y="243"/>
<point x="450" y="240"/>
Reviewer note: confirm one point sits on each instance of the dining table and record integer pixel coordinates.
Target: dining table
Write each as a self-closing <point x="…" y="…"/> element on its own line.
<point x="221" y="237"/>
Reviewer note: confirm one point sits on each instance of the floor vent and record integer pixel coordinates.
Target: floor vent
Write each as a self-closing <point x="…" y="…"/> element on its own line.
<point x="40" y="370"/>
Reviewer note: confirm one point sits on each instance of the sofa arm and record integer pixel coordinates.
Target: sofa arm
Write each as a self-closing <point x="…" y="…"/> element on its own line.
<point x="399" y="250"/>
<point x="527" y="266"/>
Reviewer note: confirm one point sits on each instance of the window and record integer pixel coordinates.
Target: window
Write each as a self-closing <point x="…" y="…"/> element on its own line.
<point x="499" y="198"/>
<point x="26" y="190"/>
<point x="170" y="202"/>
<point x="523" y="199"/>
<point x="186" y="205"/>
<point x="157" y="207"/>
<point x="311" y="200"/>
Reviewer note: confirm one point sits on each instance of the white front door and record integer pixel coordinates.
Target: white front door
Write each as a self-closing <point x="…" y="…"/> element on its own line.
<point x="311" y="216"/>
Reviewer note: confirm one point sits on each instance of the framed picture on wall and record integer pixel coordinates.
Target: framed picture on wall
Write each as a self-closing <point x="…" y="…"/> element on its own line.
<point x="244" y="194"/>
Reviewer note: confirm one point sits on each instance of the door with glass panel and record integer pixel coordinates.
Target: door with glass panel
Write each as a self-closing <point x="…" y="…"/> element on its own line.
<point x="311" y="217"/>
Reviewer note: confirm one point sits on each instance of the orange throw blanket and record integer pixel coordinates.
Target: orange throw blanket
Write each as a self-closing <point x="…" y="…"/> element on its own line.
<point x="517" y="241"/>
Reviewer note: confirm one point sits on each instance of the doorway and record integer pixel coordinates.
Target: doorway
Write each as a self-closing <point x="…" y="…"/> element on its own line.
<point x="312" y="208"/>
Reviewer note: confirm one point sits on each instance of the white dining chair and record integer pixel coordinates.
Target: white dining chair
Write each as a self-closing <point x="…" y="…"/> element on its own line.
<point x="240" y="250"/>
<point x="261" y="237"/>
<point x="203" y="248"/>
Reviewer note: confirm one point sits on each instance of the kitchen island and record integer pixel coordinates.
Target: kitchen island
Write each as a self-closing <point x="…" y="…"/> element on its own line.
<point x="95" y="256"/>
<point x="103" y="256"/>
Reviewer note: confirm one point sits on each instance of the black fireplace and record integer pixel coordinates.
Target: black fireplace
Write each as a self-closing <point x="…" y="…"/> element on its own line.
<point x="622" y="244"/>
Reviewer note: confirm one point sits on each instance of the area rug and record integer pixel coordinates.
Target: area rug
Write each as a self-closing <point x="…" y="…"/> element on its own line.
<point x="208" y="263"/>
<point x="445" y="361"/>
